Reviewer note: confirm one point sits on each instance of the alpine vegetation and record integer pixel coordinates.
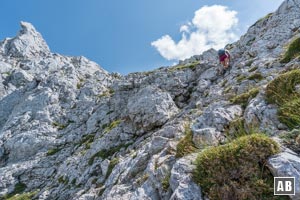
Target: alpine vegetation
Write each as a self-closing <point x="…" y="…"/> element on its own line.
<point x="69" y="130"/>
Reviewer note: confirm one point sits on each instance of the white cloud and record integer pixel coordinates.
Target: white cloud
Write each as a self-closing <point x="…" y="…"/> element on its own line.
<point x="212" y="27"/>
<point x="185" y="28"/>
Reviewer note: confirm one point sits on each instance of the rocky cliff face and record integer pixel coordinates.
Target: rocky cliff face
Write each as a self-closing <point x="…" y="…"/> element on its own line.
<point x="71" y="130"/>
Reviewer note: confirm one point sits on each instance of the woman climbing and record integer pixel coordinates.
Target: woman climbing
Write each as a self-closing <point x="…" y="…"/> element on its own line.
<point x="224" y="57"/>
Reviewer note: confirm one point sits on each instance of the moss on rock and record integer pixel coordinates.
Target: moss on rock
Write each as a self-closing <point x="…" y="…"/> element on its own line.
<point x="237" y="170"/>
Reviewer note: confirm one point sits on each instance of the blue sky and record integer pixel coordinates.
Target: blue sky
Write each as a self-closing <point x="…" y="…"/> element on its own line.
<point x="117" y="34"/>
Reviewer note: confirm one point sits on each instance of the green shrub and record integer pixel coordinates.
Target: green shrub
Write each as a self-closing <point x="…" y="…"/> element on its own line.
<point x="111" y="166"/>
<point x="19" y="189"/>
<point x="112" y="125"/>
<point x="253" y="69"/>
<point x="244" y="98"/>
<point x="107" y="93"/>
<point x="291" y="140"/>
<point x="101" y="191"/>
<point x="281" y="91"/>
<point x="106" y="153"/>
<point x="191" y="66"/>
<point x="256" y="76"/>
<point x="240" y="78"/>
<point x="165" y="183"/>
<point x="228" y="89"/>
<point x="51" y="152"/>
<point x="87" y="140"/>
<point x="281" y="88"/>
<point x="236" y="128"/>
<point x="63" y="180"/>
<point x="289" y="113"/>
<point x="186" y="145"/>
<point x="236" y="171"/>
<point x="292" y="52"/>
<point x="142" y="179"/>
<point x="59" y="126"/>
<point x="263" y="19"/>
<point x="24" y="196"/>
<point x="78" y="85"/>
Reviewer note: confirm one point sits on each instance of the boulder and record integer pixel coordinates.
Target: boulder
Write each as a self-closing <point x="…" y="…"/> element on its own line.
<point x="206" y="137"/>
<point x="150" y="107"/>
<point x="217" y="115"/>
<point x="286" y="164"/>
<point x="181" y="180"/>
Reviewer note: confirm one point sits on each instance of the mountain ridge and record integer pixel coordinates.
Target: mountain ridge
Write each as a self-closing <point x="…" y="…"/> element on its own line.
<point x="71" y="130"/>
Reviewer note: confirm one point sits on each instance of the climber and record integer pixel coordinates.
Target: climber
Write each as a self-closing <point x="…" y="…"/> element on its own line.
<point x="224" y="57"/>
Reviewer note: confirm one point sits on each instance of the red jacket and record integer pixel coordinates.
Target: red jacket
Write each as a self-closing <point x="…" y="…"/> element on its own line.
<point x="224" y="56"/>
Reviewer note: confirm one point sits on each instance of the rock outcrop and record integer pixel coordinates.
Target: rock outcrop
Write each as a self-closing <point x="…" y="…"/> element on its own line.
<point x="71" y="130"/>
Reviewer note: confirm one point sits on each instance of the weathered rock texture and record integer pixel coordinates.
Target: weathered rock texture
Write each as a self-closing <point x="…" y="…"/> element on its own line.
<point x="71" y="130"/>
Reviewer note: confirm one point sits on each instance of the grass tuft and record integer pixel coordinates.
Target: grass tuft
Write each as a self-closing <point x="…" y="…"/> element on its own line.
<point x="256" y="76"/>
<point x="236" y="129"/>
<point x="111" y="166"/>
<point x="240" y="78"/>
<point x="23" y="196"/>
<point x="253" y="69"/>
<point x="236" y="170"/>
<point x="186" y="145"/>
<point x="59" y="126"/>
<point x="165" y="183"/>
<point x="244" y="98"/>
<point x="106" y="153"/>
<point x="53" y="151"/>
<point x="292" y="140"/>
<point x="107" y="93"/>
<point x="17" y="194"/>
<point x="281" y="91"/>
<point x="112" y="125"/>
<point x="292" y="52"/>
<point x="191" y="66"/>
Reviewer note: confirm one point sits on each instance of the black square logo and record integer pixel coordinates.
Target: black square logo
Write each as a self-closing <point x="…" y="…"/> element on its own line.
<point x="284" y="185"/>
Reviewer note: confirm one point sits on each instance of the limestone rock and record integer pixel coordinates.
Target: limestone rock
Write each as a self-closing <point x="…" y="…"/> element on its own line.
<point x="181" y="180"/>
<point x="151" y="108"/>
<point x="217" y="115"/>
<point x="206" y="137"/>
<point x="28" y="43"/>
<point x="286" y="164"/>
<point x="71" y="130"/>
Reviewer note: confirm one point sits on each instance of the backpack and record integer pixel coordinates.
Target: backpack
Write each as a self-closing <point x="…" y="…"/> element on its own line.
<point x="221" y="52"/>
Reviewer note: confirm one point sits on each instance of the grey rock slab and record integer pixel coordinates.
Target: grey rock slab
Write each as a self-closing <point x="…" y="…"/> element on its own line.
<point x="181" y="180"/>
<point x="150" y="107"/>
<point x="286" y="164"/>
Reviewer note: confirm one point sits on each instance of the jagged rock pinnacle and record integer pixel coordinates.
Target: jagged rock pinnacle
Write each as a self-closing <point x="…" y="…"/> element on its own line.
<point x="28" y="43"/>
<point x="27" y="28"/>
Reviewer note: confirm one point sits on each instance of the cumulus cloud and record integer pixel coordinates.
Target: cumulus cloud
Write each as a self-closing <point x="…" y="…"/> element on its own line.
<point x="212" y="27"/>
